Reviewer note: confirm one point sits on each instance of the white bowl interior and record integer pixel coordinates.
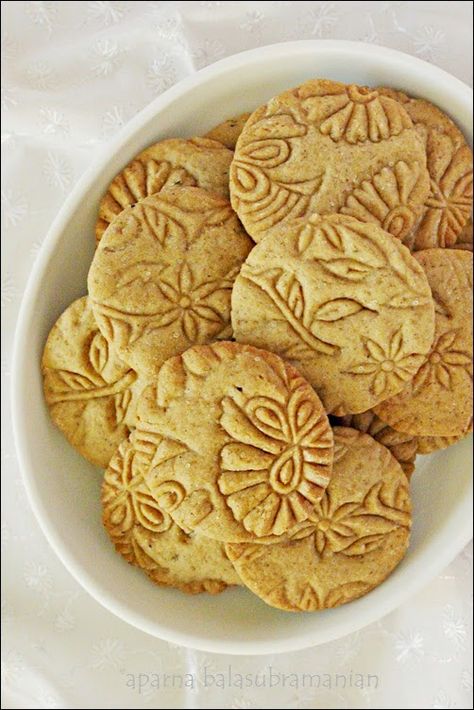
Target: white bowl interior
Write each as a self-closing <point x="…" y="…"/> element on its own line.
<point x="64" y="489"/>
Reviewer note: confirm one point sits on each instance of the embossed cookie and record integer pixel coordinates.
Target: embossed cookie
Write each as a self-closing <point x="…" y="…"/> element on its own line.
<point x="438" y="401"/>
<point x="403" y="446"/>
<point x="326" y="147"/>
<point x="357" y="535"/>
<point x="346" y="303"/>
<point x="88" y="389"/>
<point x="162" y="275"/>
<point x="199" y="162"/>
<point x="229" y="131"/>
<point x="449" y="162"/>
<point x="145" y="535"/>
<point x="238" y="445"/>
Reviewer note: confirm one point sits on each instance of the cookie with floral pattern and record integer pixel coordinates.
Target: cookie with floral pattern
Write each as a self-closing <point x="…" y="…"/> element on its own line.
<point x="229" y="131"/>
<point x="327" y="147"/>
<point x="344" y="302"/>
<point x="357" y="535"/>
<point x="438" y="401"/>
<point x="89" y="390"/>
<point x="145" y="535"/>
<point x="198" y="162"/>
<point x="448" y="206"/>
<point x="238" y="445"/>
<point x="162" y="275"/>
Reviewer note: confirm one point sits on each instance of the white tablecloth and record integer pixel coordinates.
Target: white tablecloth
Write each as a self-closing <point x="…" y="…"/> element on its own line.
<point x="74" y="73"/>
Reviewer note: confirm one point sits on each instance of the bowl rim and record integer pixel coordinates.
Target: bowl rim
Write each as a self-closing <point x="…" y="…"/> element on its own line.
<point x="460" y="535"/>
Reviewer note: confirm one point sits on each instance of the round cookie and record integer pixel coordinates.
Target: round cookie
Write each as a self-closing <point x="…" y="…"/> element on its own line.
<point x="146" y="537"/>
<point x="162" y="275"/>
<point x="198" y="162"/>
<point x="87" y="388"/>
<point x="438" y="401"/>
<point x="449" y="162"/>
<point x="357" y="535"/>
<point x="346" y="303"/>
<point x="403" y="447"/>
<point x="229" y="131"/>
<point x="239" y="447"/>
<point x="327" y="147"/>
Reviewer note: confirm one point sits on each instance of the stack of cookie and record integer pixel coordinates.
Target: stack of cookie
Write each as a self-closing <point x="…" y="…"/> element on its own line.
<point x="278" y="321"/>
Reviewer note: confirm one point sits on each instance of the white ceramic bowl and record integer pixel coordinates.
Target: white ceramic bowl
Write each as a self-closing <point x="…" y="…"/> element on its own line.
<point x="64" y="489"/>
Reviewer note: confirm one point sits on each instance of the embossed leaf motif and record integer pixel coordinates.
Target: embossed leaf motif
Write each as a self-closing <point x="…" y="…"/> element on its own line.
<point x="122" y="401"/>
<point x="349" y="269"/>
<point x="444" y="359"/>
<point x="387" y="365"/>
<point x="337" y="309"/>
<point x="98" y="352"/>
<point x="74" y="380"/>
<point x="290" y="289"/>
<point x="275" y="466"/>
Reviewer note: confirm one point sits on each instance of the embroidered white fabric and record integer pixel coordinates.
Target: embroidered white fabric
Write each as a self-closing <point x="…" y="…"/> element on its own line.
<point x="73" y="74"/>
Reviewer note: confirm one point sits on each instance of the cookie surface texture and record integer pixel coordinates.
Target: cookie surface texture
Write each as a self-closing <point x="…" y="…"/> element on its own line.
<point x="239" y="445"/>
<point x="229" y="131"/>
<point x="198" y="162"/>
<point x="162" y="275"/>
<point x="438" y="401"/>
<point x="343" y="301"/>
<point x="87" y="388"/>
<point x="356" y="537"/>
<point x="327" y="147"/>
<point x="146" y="537"/>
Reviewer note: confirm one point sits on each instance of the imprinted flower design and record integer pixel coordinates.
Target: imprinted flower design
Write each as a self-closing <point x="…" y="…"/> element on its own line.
<point x="354" y="113"/>
<point x="277" y="465"/>
<point x="190" y="304"/>
<point x="334" y="525"/>
<point x="443" y="357"/>
<point x="388" y="365"/>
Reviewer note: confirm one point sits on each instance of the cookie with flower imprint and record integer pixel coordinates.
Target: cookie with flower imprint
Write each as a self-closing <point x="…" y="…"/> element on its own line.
<point x="229" y="131"/>
<point x="162" y="275"/>
<point x="448" y="206"/>
<point x="344" y="302"/>
<point x="357" y="535"/>
<point x="237" y="443"/>
<point x="403" y="447"/>
<point x="438" y="400"/>
<point x="328" y="147"/>
<point x="198" y="162"/>
<point x="89" y="390"/>
<point x="146" y="536"/>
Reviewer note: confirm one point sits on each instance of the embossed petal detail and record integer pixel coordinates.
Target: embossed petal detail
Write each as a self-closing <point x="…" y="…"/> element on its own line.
<point x="387" y="364"/>
<point x="393" y="198"/>
<point x="354" y="113"/>
<point x="275" y="469"/>
<point x="443" y="358"/>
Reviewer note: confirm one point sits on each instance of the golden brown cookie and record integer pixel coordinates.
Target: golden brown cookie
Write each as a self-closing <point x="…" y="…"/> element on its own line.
<point x="438" y="401"/>
<point x="162" y="275"/>
<point x="228" y="131"/>
<point x="430" y="444"/>
<point x="88" y="389"/>
<point x="239" y="447"/>
<point x="464" y="240"/>
<point x="145" y="535"/>
<point x="357" y="535"/>
<point x="198" y="162"/>
<point x="403" y="446"/>
<point x="327" y="147"/>
<point x="449" y="162"/>
<point x="346" y="303"/>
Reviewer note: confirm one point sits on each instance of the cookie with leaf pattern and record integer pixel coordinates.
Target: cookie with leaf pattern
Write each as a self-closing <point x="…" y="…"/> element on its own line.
<point x="328" y="147"/>
<point x="89" y="390"/>
<point x="145" y="535"/>
<point x="403" y="446"/>
<point x="237" y="444"/>
<point x="229" y="131"/>
<point x="344" y="302"/>
<point x="357" y="535"/>
<point x="162" y="275"/>
<point x="448" y="206"/>
<point x="438" y="400"/>
<point x="199" y="162"/>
